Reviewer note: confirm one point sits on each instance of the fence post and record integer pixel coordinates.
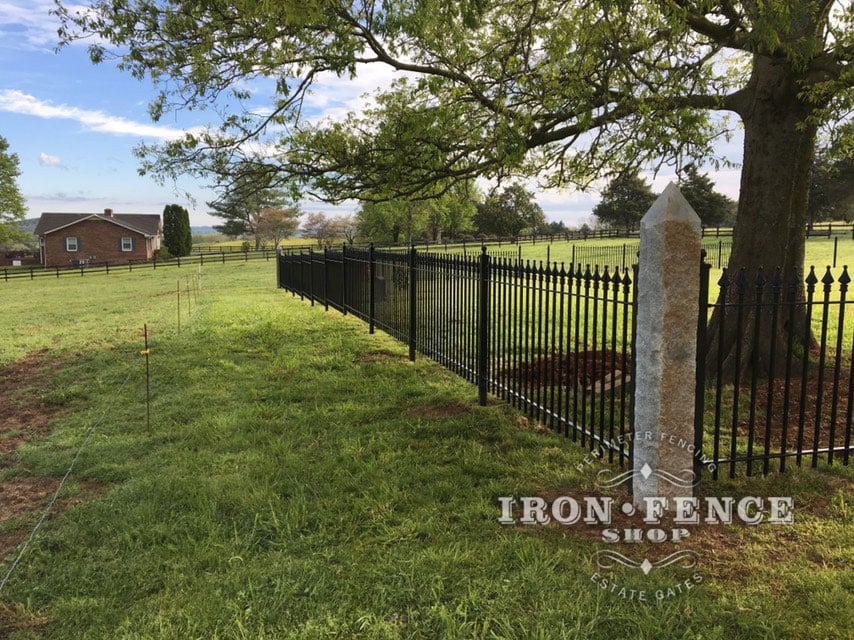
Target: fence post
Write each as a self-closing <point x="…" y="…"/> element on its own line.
<point x="326" y="278"/>
<point x="344" y="279"/>
<point x="413" y="303"/>
<point x="310" y="275"/>
<point x="700" y="386"/>
<point x="483" y="328"/>
<point x="666" y="350"/>
<point x="835" y="247"/>
<point x="371" y="294"/>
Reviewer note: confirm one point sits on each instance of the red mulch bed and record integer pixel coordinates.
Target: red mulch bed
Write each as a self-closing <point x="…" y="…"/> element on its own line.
<point x="584" y="367"/>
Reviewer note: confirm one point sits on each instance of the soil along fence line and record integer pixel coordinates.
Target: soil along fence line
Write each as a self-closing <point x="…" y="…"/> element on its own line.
<point x="559" y="342"/>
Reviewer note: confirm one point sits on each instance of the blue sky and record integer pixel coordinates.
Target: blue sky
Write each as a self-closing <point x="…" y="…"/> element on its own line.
<point x="74" y="126"/>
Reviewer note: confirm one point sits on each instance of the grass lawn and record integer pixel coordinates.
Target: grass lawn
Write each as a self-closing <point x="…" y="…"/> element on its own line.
<point x="302" y="479"/>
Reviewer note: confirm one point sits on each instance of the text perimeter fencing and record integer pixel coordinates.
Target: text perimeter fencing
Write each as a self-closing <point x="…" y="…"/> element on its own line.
<point x="557" y="343"/>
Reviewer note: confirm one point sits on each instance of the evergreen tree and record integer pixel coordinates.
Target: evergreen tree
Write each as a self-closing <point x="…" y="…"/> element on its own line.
<point x="624" y="202"/>
<point x="715" y="209"/>
<point x="177" y="236"/>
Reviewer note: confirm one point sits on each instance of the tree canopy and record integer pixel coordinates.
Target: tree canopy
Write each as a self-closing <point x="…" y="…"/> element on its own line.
<point x="447" y="216"/>
<point x="509" y="213"/>
<point x="277" y="224"/>
<point x="246" y="196"/>
<point x="566" y="91"/>
<point x="832" y="187"/>
<point x="12" y="207"/>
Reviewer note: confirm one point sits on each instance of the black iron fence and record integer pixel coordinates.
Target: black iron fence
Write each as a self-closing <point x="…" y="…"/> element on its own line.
<point x="778" y="371"/>
<point x="553" y="341"/>
<point x="557" y="343"/>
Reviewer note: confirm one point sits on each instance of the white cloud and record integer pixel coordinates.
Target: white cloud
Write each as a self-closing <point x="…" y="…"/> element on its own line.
<point x="29" y="23"/>
<point x="333" y="97"/>
<point x="47" y="160"/>
<point x="18" y="102"/>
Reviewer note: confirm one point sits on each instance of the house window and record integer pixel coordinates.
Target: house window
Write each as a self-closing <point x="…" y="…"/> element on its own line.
<point x="71" y="244"/>
<point x="127" y="244"/>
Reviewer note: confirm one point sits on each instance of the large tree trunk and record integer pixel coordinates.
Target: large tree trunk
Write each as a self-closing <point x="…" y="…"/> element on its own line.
<point x="779" y="147"/>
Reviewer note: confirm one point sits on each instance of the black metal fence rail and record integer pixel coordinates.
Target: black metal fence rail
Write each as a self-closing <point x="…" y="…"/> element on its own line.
<point x="555" y="342"/>
<point x="783" y="389"/>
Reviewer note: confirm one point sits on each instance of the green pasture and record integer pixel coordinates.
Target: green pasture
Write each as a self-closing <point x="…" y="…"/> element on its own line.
<point x="238" y="244"/>
<point x="303" y="479"/>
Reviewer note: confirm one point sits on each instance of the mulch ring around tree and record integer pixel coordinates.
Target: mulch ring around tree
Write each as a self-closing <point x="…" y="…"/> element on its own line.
<point x="587" y="368"/>
<point x="801" y="411"/>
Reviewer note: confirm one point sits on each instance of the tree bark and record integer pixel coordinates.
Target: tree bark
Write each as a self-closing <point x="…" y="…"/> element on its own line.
<point x="770" y="228"/>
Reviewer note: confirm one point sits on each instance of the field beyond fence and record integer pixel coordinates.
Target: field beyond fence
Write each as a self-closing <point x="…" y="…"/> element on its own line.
<point x="200" y="260"/>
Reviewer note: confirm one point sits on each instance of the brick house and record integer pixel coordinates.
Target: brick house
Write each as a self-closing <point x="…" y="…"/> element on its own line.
<point x="75" y="239"/>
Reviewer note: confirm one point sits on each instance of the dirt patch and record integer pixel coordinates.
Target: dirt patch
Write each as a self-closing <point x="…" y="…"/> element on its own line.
<point x="20" y="494"/>
<point x="18" y="617"/>
<point x="439" y="411"/>
<point x="25" y="495"/>
<point x="587" y="368"/>
<point x="22" y="415"/>
<point x="379" y="356"/>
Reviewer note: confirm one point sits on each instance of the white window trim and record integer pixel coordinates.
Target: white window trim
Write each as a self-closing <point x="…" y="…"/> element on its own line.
<point x="68" y="242"/>
<point x="129" y="243"/>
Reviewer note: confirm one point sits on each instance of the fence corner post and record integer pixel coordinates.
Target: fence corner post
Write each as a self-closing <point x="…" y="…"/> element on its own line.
<point x="483" y="328"/>
<point x="413" y="303"/>
<point x="666" y="351"/>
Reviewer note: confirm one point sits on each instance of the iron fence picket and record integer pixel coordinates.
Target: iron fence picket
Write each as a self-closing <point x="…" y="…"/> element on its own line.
<point x="558" y="344"/>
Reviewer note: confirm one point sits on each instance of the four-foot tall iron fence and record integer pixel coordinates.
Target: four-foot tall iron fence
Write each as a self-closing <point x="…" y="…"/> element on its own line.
<point x="557" y="342"/>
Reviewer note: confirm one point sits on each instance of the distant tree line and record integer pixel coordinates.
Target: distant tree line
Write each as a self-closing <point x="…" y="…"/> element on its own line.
<point x="263" y="212"/>
<point x="627" y="197"/>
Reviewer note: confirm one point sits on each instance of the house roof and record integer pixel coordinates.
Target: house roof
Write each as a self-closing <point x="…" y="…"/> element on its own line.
<point x="144" y="223"/>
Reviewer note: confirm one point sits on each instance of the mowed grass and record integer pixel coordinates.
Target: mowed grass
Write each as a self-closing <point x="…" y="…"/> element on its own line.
<point x="302" y="479"/>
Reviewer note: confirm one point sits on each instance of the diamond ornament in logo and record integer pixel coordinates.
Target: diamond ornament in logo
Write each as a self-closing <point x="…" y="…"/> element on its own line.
<point x="645" y="566"/>
<point x="646" y="471"/>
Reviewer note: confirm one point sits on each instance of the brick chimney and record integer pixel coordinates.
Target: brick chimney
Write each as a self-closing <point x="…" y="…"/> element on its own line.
<point x="108" y="213"/>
